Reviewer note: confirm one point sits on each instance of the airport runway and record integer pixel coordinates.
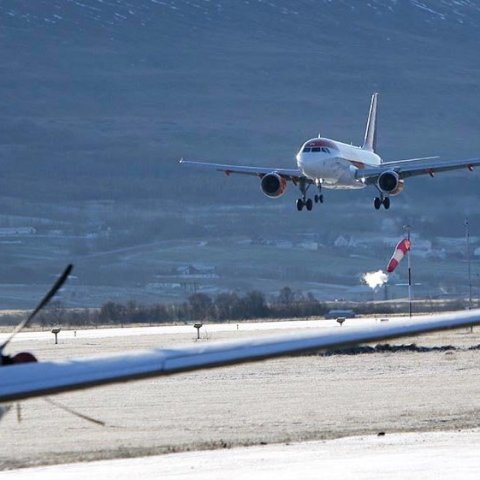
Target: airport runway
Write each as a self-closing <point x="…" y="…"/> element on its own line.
<point x="208" y="330"/>
<point x="281" y="401"/>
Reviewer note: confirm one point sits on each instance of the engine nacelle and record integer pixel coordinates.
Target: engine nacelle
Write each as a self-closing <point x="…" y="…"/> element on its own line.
<point x="273" y="185"/>
<point x="390" y="183"/>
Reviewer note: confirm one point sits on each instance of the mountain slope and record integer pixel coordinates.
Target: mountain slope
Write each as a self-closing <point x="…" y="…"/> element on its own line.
<point x="98" y="87"/>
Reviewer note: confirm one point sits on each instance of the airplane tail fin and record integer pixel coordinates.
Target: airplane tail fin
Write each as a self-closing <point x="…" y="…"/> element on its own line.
<point x="370" y="140"/>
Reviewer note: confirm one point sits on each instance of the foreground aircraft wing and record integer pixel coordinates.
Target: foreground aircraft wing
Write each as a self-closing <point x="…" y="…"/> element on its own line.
<point x="287" y="173"/>
<point x="18" y="382"/>
<point x="407" y="169"/>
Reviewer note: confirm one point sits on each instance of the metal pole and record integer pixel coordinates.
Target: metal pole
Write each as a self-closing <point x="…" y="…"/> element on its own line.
<point x="408" y="228"/>
<point x="467" y="246"/>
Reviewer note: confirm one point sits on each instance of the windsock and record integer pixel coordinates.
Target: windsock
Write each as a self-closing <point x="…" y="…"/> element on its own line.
<point x="403" y="246"/>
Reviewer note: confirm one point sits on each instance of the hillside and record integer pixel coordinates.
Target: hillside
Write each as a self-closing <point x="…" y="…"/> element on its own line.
<point x="99" y="98"/>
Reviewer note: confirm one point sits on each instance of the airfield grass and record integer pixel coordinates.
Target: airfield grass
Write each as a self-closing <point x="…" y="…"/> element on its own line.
<point x="327" y="272"/>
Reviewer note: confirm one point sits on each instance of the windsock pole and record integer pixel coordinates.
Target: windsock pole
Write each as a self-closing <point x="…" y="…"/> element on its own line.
<point x="402" y="249"/>
<point x="407" y="228"/>
<point x="467" y="245"/>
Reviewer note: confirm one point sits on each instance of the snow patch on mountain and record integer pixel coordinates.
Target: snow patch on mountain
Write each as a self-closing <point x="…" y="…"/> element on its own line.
<point x="142" y="11"/>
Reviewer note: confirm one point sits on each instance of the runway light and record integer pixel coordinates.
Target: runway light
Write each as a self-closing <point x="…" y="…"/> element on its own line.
<point x="198" y="326"/>
<point x="340" y="320"/>
<point x="56" y="331"/>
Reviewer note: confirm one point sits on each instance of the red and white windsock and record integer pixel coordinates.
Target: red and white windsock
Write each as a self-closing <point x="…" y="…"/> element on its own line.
<point x="403" y="246"/>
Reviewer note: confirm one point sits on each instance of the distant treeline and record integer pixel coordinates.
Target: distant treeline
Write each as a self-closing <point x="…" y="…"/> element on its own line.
<point x="222" y="307"/>
<point x="199" y="307"/>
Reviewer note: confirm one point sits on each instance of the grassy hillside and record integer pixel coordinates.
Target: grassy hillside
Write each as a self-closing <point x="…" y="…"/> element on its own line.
<point x="98" y="100"/>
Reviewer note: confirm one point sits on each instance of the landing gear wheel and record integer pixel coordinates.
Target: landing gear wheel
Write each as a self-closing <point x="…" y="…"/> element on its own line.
<point x="377" y="203"/>
<point x="386" y="203"/>
<point x="300" y="204"/>
<point x="309" y="204"/>
<point x="320" y="198"/>
<point x="316" y="198"/>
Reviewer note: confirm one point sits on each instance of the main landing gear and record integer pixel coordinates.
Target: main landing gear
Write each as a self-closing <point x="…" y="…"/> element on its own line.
<point x="303" y="201"/>
<point x="379" y="201"/>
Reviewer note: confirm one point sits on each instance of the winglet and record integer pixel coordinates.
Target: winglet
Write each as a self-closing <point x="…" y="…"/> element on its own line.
<point x="370" y="140"/>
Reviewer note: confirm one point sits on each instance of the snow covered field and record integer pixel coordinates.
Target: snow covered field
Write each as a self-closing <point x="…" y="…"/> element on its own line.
<point x="282" y="401"/>
<point x="183" y="329"/>
<point x="438" y="455"/>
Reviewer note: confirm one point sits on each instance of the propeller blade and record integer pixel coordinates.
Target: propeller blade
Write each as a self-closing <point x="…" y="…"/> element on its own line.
<point x="56" y="286"/>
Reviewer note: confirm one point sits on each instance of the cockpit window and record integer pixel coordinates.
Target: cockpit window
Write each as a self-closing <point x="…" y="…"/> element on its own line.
<point x="316" y="149"/>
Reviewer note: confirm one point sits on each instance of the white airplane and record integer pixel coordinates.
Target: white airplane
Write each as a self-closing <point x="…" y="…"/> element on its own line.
<point x="22" y="376"/>
<point x="335" y="165"/>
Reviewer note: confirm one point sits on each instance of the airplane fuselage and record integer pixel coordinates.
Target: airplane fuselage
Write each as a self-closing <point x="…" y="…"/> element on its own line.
<point x="333" y="164"/>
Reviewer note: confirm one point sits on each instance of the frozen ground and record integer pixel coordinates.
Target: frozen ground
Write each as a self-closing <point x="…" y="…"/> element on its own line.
<point x="207" y="331"/>
<point x="438" y="455"/>
<point x="285" y="400"/>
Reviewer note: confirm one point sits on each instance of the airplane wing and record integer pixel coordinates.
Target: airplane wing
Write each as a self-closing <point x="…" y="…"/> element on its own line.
<point x="409" y="160"/>
<point x="410" y="169"/>
<point x="288" y="173"/>
<point x="23" y="381"/>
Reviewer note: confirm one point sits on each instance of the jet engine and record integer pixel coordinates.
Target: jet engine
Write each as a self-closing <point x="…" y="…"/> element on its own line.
<point x="390" y="183"/>
<point x="273" y="185"/>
